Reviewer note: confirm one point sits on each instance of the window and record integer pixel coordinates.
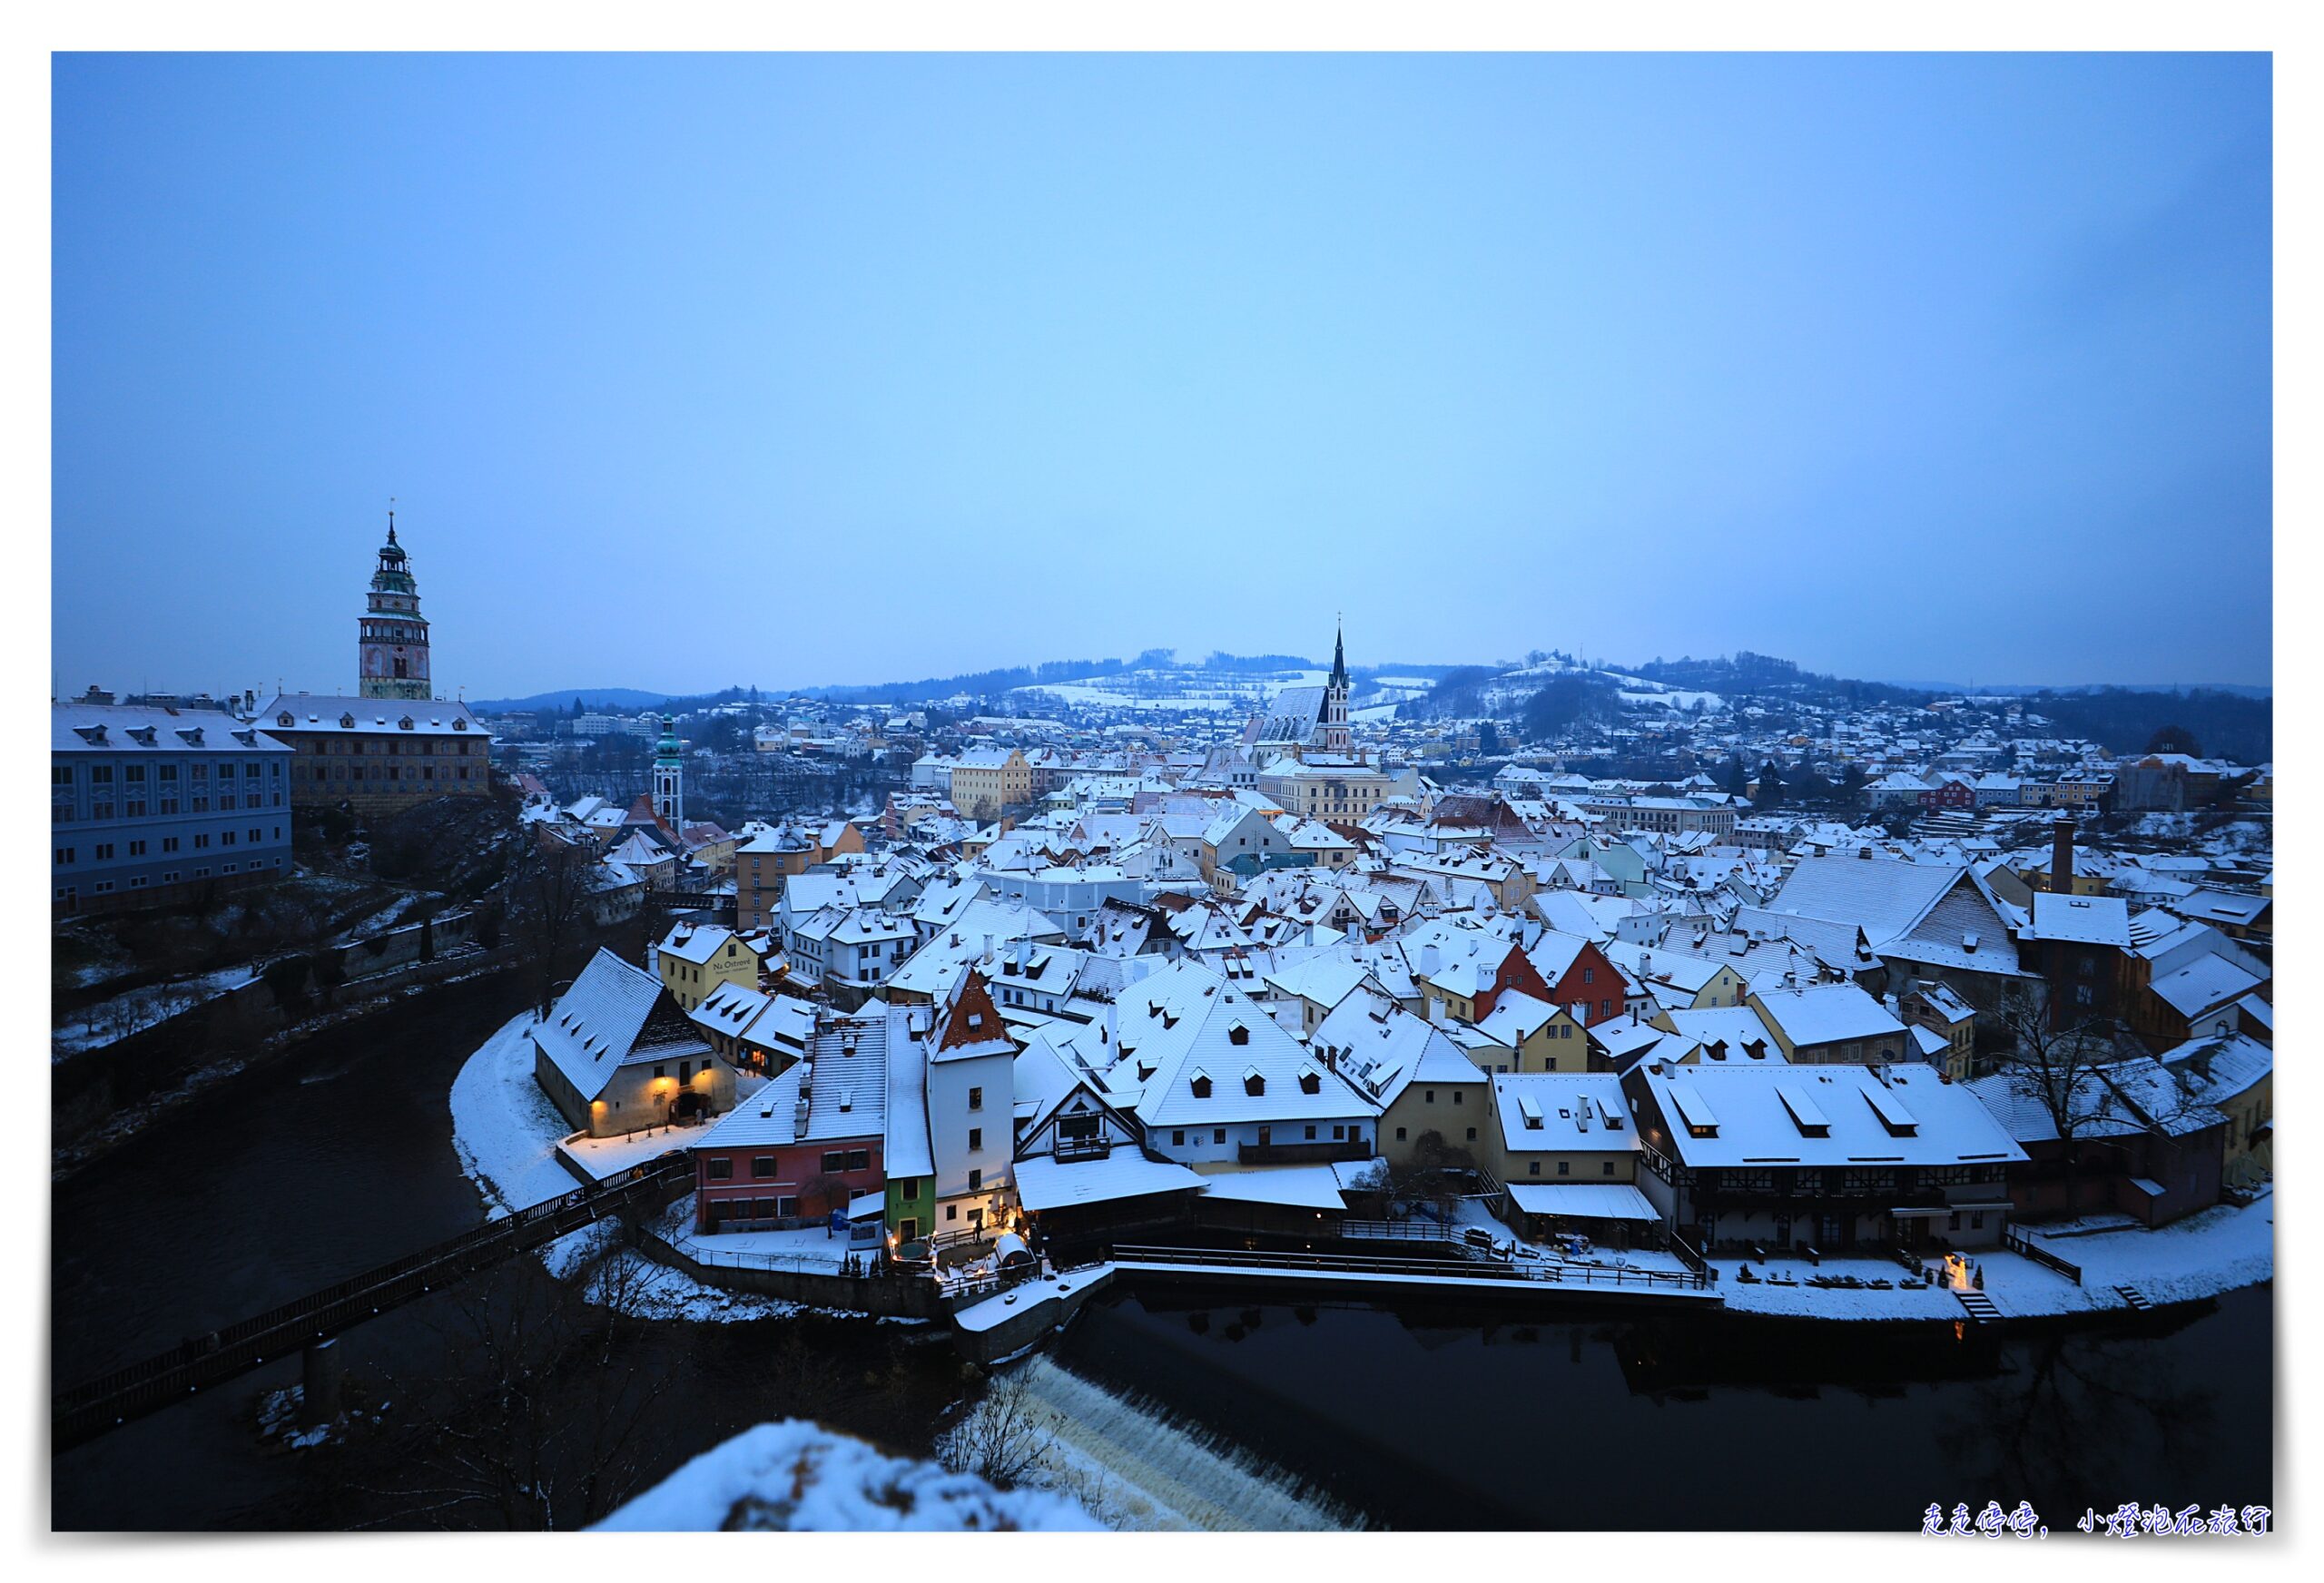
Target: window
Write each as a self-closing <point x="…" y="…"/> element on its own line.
<point x="169" y="843"/>
<point x="787" y="1207"/>
<point x="1311" y="1133"/>
<point x="1218" y="1134"/>
<point x="721" y="1169"/>
<point x="1565" y="1167"/>
<point x="1472" y="1138"/>
<point x="976" y="1181"/>
<point x="1608" y="1168"/>
<point x="1456" y="1095"/>
<point x="1177" y="1138"/>
<point x="976" y="1102"/>
<point x="137" y="848"/>
<point x="761" y="1166"/>
<point x="1400" y="1134"/>
<point x="1532" y="1167"/>
<point x="976" y="1139"/>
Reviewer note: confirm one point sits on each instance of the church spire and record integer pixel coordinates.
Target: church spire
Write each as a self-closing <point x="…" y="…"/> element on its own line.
<point x="1339" y="656"/>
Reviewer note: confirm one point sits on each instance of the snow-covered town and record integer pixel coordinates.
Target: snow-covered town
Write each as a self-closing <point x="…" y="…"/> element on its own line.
<point x="1321" y="1003"/>
<point x="1275" y="793"/>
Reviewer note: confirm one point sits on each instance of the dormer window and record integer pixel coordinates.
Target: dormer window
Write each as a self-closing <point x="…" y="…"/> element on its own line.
<point x="283" y="718"/>
<point x="347" y="723"/>
<point x="459" y="724"/>
<point x="1311" y="1082"/>
<point x="1200" y="1086"/>
<point x="1254" y="1084"/>
<point x="405" y="724"/>
<point x="1238" y="1035"/>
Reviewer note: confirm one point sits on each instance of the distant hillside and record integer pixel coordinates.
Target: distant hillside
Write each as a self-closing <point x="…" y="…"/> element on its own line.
<point x="615" y="698"/>
<point x="2124" y="721"/>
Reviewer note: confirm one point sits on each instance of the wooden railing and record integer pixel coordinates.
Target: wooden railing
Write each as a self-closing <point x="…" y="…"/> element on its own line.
<point x="2017" y="1241"/>
<point x="1554" y="1272"/>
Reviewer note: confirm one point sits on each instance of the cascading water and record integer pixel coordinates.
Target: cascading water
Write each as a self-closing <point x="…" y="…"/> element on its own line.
<point x="1139" y="1467"/>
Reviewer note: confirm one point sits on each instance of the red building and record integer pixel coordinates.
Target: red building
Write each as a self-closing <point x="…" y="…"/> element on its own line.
<point x="1950" y="794"/>
<point x="1579" y="978"/>
<point x="806" y="1142"/>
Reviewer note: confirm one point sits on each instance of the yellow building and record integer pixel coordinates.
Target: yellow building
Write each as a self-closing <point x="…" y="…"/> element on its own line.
<point x="988" y="779"/>
<point x="696" y="959"/>
<point x="1566" y="1130"/>
<point x="1524" y="1034"/>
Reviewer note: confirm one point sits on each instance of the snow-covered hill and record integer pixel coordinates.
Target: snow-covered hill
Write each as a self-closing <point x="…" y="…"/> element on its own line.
<point x="798" y="1476"/>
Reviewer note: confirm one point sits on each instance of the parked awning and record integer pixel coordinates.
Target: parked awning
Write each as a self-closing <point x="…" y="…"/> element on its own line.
<point x="1584" y="1200"/>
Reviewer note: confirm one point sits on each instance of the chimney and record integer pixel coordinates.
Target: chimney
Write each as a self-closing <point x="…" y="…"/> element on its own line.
<point x="2061" y="855"/>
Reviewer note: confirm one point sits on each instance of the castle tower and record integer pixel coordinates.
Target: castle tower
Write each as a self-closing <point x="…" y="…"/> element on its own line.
<point x="669" y="777"/>
<point x="1335" y="732"/>
<point x="393" y="655"/>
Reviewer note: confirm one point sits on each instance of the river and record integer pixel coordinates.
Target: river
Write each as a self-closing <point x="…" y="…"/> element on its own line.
<point x="1433" y="1415"/>
<point x="1421" y="1415"/>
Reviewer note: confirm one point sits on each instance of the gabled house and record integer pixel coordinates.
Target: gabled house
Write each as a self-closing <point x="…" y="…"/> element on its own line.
<point x="614" y="1055"/>
<point x="808" y="1143"/>
<point x="1419" y="1078"/>
<point x="1216" y="1083"/>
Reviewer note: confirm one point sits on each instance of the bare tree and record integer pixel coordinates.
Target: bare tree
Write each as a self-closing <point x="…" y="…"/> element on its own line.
<point x="548" y="910"/>
<point x="2059" y="1066"/>
<point x="1435" y="1173"/>
<point x="831" y="1191"/>
<point x="545" y="1415"/>
<point x="1005" y="1438"/>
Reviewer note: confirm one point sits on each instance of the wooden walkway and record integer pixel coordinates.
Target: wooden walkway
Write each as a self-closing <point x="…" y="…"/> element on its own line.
<point x="85" y="1410"/>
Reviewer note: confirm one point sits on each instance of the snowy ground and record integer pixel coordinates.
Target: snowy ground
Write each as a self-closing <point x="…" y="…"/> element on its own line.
<point x="983" y="1316"/>
<point x="814" y="1250"/>
<point x="652" y="1291"/>
<point x="506" y="1134"/>
<point x="796" y="1475"/>
<point x="102" y="1022"/>
<point x="604" y="1158"/>
<point x="504" y="1127"/>
<point x="2201" y="1256"/>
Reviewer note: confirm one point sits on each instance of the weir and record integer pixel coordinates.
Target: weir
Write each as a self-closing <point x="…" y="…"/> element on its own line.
<point x="1156" y="1470"/>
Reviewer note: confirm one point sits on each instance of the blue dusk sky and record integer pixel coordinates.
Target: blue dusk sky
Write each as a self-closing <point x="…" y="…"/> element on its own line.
<point x="793" y="369"/>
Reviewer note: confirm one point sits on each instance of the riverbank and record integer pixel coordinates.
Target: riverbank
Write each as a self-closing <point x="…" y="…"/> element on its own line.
<point x="125" y="1121"/>
<point x="2220" y="1250"/>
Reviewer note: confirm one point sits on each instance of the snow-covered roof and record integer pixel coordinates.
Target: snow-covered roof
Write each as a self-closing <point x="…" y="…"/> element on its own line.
<point x="2203" y="984"/>
<point x="1044" y="1184"/>
<point x="595" y="1026"/>
<point x="1186" y="1021"/>
<point x="1291" y="1186"/>
<point x="1820" y="1014"/>
<point x="1564" y="1112"/>
<point x="1903" y="1115"/>
<point x="2097" y="920"/>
